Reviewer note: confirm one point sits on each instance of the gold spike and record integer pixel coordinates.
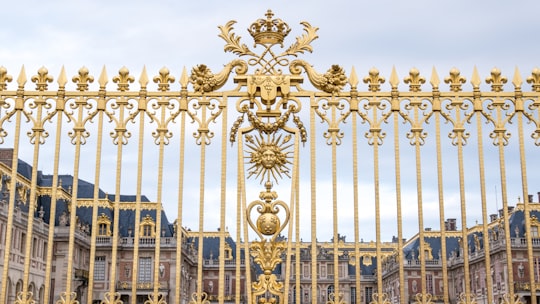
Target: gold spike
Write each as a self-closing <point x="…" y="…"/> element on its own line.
<point x="394" y="80"/>
<point x="103" y="78"/>
<point x="143" y="80"/>
<point x="353" y="79"/>
<point x="62" y="79"/>
<point x="517" y="81"/>
<point x="435" y="81"/>
<point x="184" y="79"/>
<point x="22" y="78"/>
<point x="475" y="79"/>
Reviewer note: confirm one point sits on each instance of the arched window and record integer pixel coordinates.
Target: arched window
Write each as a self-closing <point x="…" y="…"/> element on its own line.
<point x="330" y="291"/>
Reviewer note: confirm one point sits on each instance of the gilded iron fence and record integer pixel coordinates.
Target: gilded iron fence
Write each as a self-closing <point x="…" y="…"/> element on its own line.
<point x="277" y="132"/>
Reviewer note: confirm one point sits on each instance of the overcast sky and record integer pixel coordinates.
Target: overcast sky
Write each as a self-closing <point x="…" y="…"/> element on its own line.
<point x="363" y="34"/>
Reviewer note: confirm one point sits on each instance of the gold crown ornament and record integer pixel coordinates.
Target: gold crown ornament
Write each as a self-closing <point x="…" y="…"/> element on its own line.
<point x="269" y="31"/>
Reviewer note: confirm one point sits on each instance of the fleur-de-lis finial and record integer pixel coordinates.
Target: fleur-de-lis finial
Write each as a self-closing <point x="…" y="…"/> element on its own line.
<point x="374" y="80"/>
<point x="123" y="79"/>
<point x="164" y="79"/>
<point x="497" y="80"/>
<point x="534" y="80"/>
<point x="83" y="79"/>
<point x="4" y="78"/>
<point x="414" y="80"/>
<point x="455" y="80"/>
<point x="41" y="79"/>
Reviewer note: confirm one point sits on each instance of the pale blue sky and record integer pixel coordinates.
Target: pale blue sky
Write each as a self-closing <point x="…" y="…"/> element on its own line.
<point x="362" y="34"/>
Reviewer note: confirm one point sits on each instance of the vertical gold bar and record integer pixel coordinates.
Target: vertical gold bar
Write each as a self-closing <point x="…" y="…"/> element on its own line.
<point x="296" y="199"/>
<point x="37" y="132"/>
<point x="313" y="190"/>
<point x="289" y="254"/>
<point x="420" y="215"/>
<point x="464" y="231"/>
<point x="334" y="205"/>
<point x="240" y="206"/>
<point x="162" y="131"/>
<point x="136" y="232"/>
<point x="223" y="199"/>
<point x="417" y="144"/>
<point x="526" y="207"/>
<point x="11" y="205"/>
<point x="60" y="102"/>
<point x="95" y="202"/>
<point x="441" y="202"/>
<point x="395" y="103"/>
<point x="481" y="169"/>
<point x="502" y="169"/>
<point x="201" y="208"/>
<point x="357" y="268"/>
<point x="179" y="225"/>
<point x="376" y="181"/>
<point x="116" y="220"/>
<point x="241" y="220"/>
<point x="78" y="133"/>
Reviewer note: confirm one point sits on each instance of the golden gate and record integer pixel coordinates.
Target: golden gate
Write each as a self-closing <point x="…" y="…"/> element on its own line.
<point x="280" y="156"/>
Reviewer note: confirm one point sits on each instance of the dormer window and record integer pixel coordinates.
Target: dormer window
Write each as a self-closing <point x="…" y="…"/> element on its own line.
<point x="147" y="227"/>
<point x="104" y="225"/>
<point x="228" y="252"/>
<point x="535" y="227"/>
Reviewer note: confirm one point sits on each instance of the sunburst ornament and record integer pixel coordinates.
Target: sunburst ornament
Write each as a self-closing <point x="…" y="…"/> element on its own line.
<point x="269" y="158"/>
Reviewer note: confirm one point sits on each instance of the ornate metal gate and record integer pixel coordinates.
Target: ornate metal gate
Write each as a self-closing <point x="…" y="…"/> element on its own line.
<point x="295" y="143"/>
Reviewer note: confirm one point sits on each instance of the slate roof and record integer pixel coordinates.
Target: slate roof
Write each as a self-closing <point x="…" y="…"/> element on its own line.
<point x="86" y="190"/>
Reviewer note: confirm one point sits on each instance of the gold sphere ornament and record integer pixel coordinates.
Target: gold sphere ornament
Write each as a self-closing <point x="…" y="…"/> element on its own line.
<point x="268" y="223"/>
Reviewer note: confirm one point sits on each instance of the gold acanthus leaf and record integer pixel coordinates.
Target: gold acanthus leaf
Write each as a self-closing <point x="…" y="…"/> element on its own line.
<point x="303" y="43"/>
<point x="233" y="42"/>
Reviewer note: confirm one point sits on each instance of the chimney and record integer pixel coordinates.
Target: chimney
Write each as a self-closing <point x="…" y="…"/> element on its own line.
<point x="510" y="209"/>
<point x="492" y="217"/>
<point x="538" y="196"/>
<point x="530" y="198"/>
<point x="450" y="224"/>
<point x="501" y="213"/>
<point x="427" y="229"/>
<point x="6" y="157"/>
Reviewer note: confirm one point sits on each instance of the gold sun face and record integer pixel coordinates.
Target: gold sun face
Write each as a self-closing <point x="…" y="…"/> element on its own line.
<point x="269" y="158"/>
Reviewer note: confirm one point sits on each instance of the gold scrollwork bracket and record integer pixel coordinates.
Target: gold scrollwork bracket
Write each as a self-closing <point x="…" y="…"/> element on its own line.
<point x="204" y="81"/>
<point x="511" y="300"/>
<point x="25" y="298"/>
<point x="112" y="298"/>
<point x="380" y="298"/>
<point x="158" y="299"/>
<point x="466" y="298"/>
<point x="332" y="81"/>
<point x="425" y="298"/>
<point x="70" y="298"/>
<point x="338" y="298"/>
<point x="197" y="298"/>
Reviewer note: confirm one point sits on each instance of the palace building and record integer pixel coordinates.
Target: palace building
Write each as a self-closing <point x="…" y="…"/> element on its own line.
<point x="236" y="267"/>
